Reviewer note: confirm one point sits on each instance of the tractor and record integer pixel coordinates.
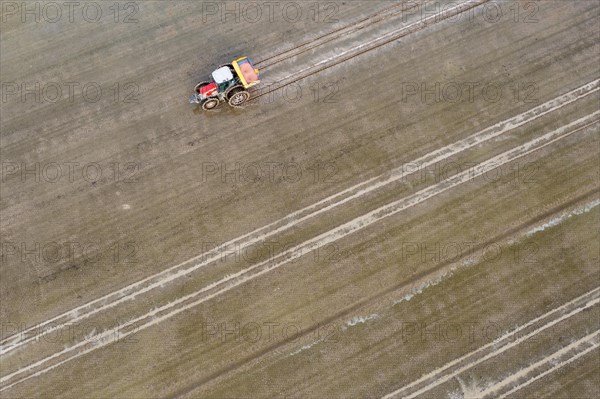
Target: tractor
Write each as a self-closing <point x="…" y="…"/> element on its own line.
<point x="228" y="83"/>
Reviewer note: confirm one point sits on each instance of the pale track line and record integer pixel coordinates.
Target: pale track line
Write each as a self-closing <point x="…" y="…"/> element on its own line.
<point x="345" y="229"/>
<point x="373" y="44"/>
<point x="553" y="358"/>
<point x="436" y="377"/>
<point x="157" y="280"/>
<point x="328" y="37"/>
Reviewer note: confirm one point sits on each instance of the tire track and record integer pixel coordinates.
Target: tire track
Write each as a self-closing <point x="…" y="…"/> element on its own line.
<point x="371" y="45"/>
<point x="326" y="38"/>
<point x="230" y="282"/>
<point x="377" y="296"/>
<point x="180" y="270"/>
<point x="590" y="342"/>
<point x="496" y="347"/>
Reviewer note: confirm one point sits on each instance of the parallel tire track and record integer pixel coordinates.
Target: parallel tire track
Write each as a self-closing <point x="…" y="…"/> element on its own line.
<point x="496" y="347"/>
<point x="172" y="273"/>
<point x="226" y="284"/>
<point x="376" y="298"/>
<point x="371" y="45"/>
<point x="328" y="37"/>
<point x="558" y="359"/>
<point x="180" y="270"/>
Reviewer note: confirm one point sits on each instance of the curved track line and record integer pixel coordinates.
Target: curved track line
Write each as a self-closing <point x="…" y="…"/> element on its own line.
<point x="551" y="359"/>
<point x="437" y="377"/>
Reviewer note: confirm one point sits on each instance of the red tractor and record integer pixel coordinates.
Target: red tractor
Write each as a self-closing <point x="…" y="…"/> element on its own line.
<point x="228" y="83"/>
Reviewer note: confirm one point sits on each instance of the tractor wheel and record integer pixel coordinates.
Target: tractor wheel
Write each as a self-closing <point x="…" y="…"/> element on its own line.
<point x="238" y="97"/>
<point x="199" y="86"/>
<point x="232" y="90"/>
<point x="209" y="104"/>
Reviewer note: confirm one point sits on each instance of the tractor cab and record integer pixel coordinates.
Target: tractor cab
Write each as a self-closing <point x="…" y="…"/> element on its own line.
<point x="228" y="83"/>
<point x="223" y="78"/>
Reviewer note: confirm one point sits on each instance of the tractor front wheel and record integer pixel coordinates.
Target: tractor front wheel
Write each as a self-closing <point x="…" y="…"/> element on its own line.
<point x="209" y="104"/>
<point x="238" y="98"/>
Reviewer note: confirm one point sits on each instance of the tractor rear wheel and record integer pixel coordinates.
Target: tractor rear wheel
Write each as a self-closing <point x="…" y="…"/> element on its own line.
<point x="238" y="97"/>
<point x="209" y="104"/>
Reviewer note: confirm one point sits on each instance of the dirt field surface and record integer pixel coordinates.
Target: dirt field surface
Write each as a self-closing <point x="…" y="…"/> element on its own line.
<point x="406" y="207"/>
